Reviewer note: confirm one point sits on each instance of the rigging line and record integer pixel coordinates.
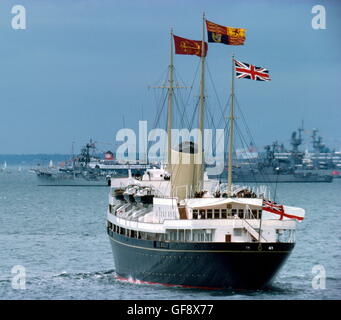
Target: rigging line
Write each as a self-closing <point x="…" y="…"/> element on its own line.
<point x="226" y="132"/>
<point x="193" y="116"/>
<point x="186" y="103"/>
<point x="227" y="124"/>
<point x="263" y="174"/>
<point x="183" y="119"/>
<point x="158" y="99"/>
<point x="192" y="84"/>
<point x="185" y="107"/>
<point x="180" y="79"/>
<point x="159" y="120"/>
<point x="160" y="111"/>
<point x="159" y="83"/>
<point x="244" y="121"/>
<point x="214" y="134"/>
<point x="211" y="78"/>
<point x="221" y="176"/>
<point x="164" y="75"/>
<point x="216" y="93"/>
<point x="181" y="99"/>
<point x="209" y="115"/>
<point x="223" y="115"/>
<point x="243" y="145"/>
<point x="178" y="87"/>
<point x="179" y="102"/>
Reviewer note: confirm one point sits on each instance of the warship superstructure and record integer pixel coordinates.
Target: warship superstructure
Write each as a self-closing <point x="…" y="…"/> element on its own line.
<point x="279" y="164"/>
<point x="89" y="169"/>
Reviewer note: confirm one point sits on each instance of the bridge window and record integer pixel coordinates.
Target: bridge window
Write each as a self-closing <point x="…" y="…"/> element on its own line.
<point x="224" y="213"/>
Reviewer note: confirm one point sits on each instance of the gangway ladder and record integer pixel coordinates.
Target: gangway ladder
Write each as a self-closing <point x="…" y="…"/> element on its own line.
<point x="256" y="235"/>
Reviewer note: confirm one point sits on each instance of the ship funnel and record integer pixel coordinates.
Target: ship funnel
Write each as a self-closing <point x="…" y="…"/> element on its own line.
<point x="185" y="162"/>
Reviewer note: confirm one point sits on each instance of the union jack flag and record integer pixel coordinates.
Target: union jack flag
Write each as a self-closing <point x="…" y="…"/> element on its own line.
<point x="249" y="71"/>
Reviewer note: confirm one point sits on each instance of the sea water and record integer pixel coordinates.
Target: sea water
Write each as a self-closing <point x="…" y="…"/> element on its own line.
<point x="56" y="238"/>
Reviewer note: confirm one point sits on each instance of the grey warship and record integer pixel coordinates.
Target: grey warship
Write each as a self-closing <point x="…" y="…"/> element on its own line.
<point x="88" y="169"/>
<point x="279" y="164"/>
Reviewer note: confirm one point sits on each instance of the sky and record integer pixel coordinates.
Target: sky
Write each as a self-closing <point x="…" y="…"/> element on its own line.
<point x="81" y="66"/>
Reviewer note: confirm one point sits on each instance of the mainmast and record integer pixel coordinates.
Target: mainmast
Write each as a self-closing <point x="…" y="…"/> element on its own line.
<point x="170" y="100"/>
<point x="199" y="174"/>
<point x="229" y="173"/>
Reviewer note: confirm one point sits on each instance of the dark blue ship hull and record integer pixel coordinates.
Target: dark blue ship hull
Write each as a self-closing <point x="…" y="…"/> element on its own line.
<point x="201" y="265"/>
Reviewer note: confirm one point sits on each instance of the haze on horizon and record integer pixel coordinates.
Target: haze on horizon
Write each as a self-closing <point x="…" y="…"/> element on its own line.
<point x="83" y="65"/>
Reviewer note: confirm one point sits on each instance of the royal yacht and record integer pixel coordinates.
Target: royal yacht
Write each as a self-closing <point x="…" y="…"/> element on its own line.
<point x="190" y="235"/>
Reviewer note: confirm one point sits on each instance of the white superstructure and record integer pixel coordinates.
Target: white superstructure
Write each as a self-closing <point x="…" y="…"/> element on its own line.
<point x="206" y="219"/>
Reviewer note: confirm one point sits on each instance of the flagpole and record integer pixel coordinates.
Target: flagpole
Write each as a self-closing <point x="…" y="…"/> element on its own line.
<point x="200" y="171"/>
<point x="170" y="100"/>
<point x="229" y="175"/>
<point x="202" y="83"/>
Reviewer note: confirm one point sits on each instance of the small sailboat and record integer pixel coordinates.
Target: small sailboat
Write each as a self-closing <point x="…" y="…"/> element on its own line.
<point x="4" y="167"/>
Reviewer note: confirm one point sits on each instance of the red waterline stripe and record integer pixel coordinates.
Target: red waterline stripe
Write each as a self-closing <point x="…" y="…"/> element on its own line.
<point x="165" y="284"/>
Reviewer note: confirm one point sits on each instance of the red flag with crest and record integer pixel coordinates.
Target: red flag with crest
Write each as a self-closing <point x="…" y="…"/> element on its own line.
<point x="191" y="47"/>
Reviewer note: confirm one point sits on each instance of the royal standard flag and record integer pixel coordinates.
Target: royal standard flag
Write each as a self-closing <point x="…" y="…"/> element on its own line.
<point x="227" y="35"/>
<point x="187" y="46"/>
